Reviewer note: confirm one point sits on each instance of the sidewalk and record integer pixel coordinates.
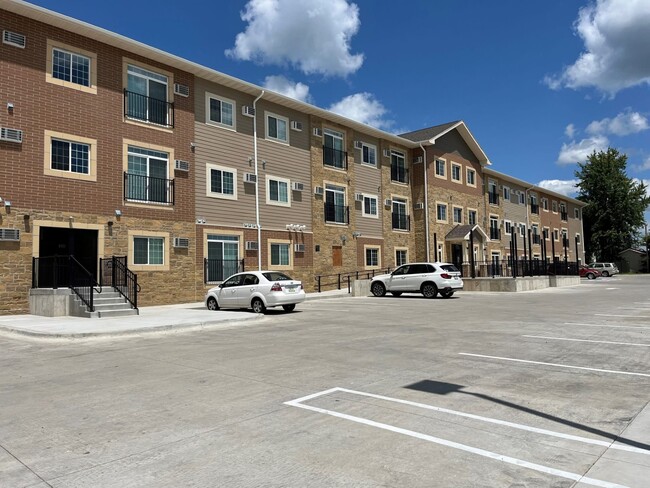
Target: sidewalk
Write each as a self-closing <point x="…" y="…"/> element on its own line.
<point x="151" y="319"/>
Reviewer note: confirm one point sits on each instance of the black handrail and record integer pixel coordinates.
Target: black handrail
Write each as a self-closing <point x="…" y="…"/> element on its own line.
<point x="329" y="280"/>
<point x="401" y="221"/>
<point x="215" y="270"/>
<point x="493" y="198"/>
<point x="335" y="158"/>
<point x="148" y="109"/>
<point x="148" y="189"/>
<point x="399" y="174"/>
<point x="114" y="272"/>
<point x="339" y="214"/>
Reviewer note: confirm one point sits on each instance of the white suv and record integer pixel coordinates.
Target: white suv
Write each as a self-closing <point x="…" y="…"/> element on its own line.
<point x="606" y="269"/>
<point x="426" y="278"/>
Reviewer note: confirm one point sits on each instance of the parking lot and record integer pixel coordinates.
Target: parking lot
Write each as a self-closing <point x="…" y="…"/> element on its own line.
<point x="535" y="389"/>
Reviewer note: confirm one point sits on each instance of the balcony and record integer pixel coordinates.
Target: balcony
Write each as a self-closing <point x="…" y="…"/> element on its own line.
<point x="536" y="239"/>
<point x="534" y="208"/>
<point x="148" y="109"/>
<point x="399" y="174"/>
<point x="563" y="215"/>
<point x="147" y="189"/>
<point x="493" y="198"/>
<point x="335" y="158"/>
<point x="401" y="221"/>
<point x="337" y="214"/>
<point x="495" y="233"/>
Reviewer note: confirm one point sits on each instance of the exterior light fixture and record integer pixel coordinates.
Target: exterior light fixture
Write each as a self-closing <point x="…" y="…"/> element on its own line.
<point x="118" y="213"/>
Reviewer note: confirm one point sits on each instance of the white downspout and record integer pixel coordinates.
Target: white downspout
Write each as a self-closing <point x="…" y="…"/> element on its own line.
<point x="257" y="187"/>
<point x="426" y="205"/>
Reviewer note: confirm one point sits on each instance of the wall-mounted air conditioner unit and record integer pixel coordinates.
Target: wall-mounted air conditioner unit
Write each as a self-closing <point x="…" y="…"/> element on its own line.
<point x="182" y="90"/>
<point x="318" y="132"/>
<point x="387" y="153"/>
<point x="14" y="39"/>
<point x="388" y="202"/>
<point x="318" y="190"/>
<point x="299" y="247"/>
<point x="181" y="165"/>
<point x="419" y="206"/>
<point x="251" y="245"/>
<point x="183" y="242"/>
<point x="297" y="186"/>
<point x="418" y="160"/>
<point x="295" y="125"/>
<point x="248" y="111"/>
<point x="358" y="197"/>
<point x="358" y="144"/>
<point x="9" y="234"/>
<point x="11" y="135"/>
<point x="250" y="178"/>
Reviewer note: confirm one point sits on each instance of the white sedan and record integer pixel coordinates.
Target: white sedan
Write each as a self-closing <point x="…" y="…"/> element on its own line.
<point x="258" y="290"/>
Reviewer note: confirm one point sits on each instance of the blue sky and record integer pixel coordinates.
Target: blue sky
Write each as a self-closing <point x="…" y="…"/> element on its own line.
<point x="539" y="83"/>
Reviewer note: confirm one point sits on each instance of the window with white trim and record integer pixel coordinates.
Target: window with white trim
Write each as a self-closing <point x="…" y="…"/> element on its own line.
<point x="369" y="154"/>
<point x="507" y="227"/>
<point x="401" y="257"/>
<point x="522" y="230"/>
<point x="578" y="240"/>
<point x="146" y="96"/>
<point x="277" y="191"/>
<point x="335" y="209"/>
<point x="441" y="168"/>
<point x="276" y="128"/>
<point x="576" y="213"/>
<point x="220" y="111"/>
<point x="280" y="254"/>
<point x="70" y="67"/>
<point x="522" y="198"/>
<point x="556" y="235"/>
<point x="372" y="257"/>
<point x="471" y="217"/>
<point x="545" y="204"/>
<point x="370" y="206"/>
<point x="554" y="206"/>
<point x="221" y="182"/>
<point x="506" y="193"/>
<point x="149" y="251"/>
<point x="70" y="156"/>
<point x="441" y="212"/>
<point x="400" y="219"/>
<point x="458" y="215"/>
<point x="471" y="177"/>
<point x="456" y="172"/>
<point x="546" y="233"/>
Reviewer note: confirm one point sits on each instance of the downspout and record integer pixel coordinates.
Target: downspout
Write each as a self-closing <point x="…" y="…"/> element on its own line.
<point x="257" y="187"/>
<point x="426" y="204"/>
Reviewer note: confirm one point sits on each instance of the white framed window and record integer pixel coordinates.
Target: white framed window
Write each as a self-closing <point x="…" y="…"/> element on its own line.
<point x="280" y="254"/>
<point x="334" y="154"/>
<point x="441" y="168"/>
<point x="522" y="198"/>
<point x="221" y="182"/>
<point x="373" y="256"/>
<point x="576" y="213"/>
<point x="148" y="251"/>
<point x="71" y="67"/>
<point x="545" y="204"/>
<point x="336" y="210"/>
<point x="69" y="156"/>
<point x="456" y="173"/>
<point x="148" y="175"/>
<point x="471" y="217"/>
<point x="370" y="206"/>
<point x="556" y="235"/>
<point x="506" y="193"/>
<point x="222" y="255"/>
<point x="471" y="177"/>
<point x="554" y="206"/>
<point x="458" y="215"/>
<point x="441" y="212"/>
<point x="546" y="234"/>
<point x="494" y="227"/>
<point x="369" y="155"/>
<point x="398" y="170"/>
<point x="401" y="256"/>
<point x="220" y="111"/>
<point x="147" y="96"/>
<point x="277" y="191"/>
<point x="400" y="219"/>
<point x="578" y="240"/>
<point x="507" y="227"/>
<point x="522" y="230"/>
<point x="276" y="127"/>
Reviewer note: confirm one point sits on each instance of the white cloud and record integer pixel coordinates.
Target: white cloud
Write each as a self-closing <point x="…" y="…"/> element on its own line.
<point x="284" y="86"/>
<point x="623" y="124"/>
<point x="645" y="166"/>
<point x="577" y="152"/>
<point x="310" y="35"/>
<point x="565" y="187"/>
<point x="617" y="39"/>
<point x="570" y="131"/>
<point x="364" y="108"/>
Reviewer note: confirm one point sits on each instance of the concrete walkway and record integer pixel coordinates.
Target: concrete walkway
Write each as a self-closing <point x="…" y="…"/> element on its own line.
<point x="151" y="319"/>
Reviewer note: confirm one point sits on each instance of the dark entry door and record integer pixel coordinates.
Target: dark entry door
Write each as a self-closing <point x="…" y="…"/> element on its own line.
<point x="457" y="255"/>
<point x="57" y="241"/>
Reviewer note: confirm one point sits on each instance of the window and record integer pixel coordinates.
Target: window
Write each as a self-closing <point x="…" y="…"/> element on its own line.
<point x="221" y="182"/>
<point x="522" y="198"/>
<point x="576" y="213"/>
<point x="280" y="254"/>
<point x="372" y="257"/>
<point x="493" y="195"/>
<point x="554" y="206"/>
<point x="70" y="67"/>
<point x="494" y="227"/>
<point x="458" y="215"/>
<point x="441" y="168"/>
<point x="401" y="257"/>
<point x="369" y="154"/>
<point x="471" y="217"/>
<point x="578" y="241"/>
<point x="333" y="149"/>
<point x="335" y="209"/>
<point x="276" y="128"/>
<point x="148" y="251"/>
<point x="222" y="257"/>
<point x="277" y="191"/>
<point x="70" y="156"/>
<point x="441" y="212"/>
<point x="556" y="235"/>
<point x="545" y="204"/>
<point x="522" y="230"/>
<point x="220" y="111"/>
<point x="506" y="193"/>
<point x="146" y="96"/>
<point x="369" y="206"/>
<point x="398" y="171"/>
<point x="146" y="178"/>
<point x="400" y="218"/>
<point x="563" y="212"/>
<point x="535" y="234"/>
<point x="471" y="177"/>
<point x="507" y="227"/>
<point x="456" y="172"/>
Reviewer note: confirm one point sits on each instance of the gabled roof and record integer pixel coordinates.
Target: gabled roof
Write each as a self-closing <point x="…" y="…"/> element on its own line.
<point x="462" y="232"/>
<point x="431" y="134"/>
<point x="637" y="251"/>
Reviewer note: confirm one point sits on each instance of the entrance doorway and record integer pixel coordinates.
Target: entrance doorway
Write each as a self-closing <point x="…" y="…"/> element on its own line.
<point x="61" y="241"/>
<point x="457" y="255"/>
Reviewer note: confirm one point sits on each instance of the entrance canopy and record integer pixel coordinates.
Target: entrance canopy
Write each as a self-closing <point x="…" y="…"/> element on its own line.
<point x="462" y="233"/>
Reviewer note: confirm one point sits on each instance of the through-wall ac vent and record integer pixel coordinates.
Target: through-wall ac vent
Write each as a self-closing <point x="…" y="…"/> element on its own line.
<point x="9" y="234"/>
<point x="250" y="178"/>
<point x="358" y="197"/>
<point x="318" y="132"/>
<point x="388" y="202"/>
<point x="14" y="39"/>
<point x="295" y="125"/>
<point x="11" y="135"/>
<point x="183" y="242"/>
<point x="248" y="111"/>
<point x="358" y="144"/>
<point x="251" y="245"/>
<point x="318" y="190"/>
<point x="387" y="153"/>
<point x="297" y="186"/>
<point x="182" y="90"/>
<point x="419" y="206"/>
<point x="299" y="247"/>
<point x="181" y="165"/>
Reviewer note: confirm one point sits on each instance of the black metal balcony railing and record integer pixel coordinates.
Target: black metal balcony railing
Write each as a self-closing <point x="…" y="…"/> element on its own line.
<point x="215" y="270"/>
<point x="401" y="221"/>
<point x="148" y="109"/>
<point x="495" y="233"/>
<point x="493" y="198"/>
<point x="147" y="189"/>
<point x="399" y="174"/>
<point x="563" y="215"/>
<point x="536" y="239"/>
<point x="339" y="214"/>
<point x="534" y="208"/>
<point x="335" y="158"/>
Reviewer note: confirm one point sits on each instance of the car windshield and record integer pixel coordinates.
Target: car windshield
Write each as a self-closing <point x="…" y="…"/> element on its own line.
<point x="449" y="267"/>
<point x="276" y="276"/>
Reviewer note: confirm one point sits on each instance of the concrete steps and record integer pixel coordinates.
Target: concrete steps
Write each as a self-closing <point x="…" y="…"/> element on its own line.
<point x="109" y="303"/>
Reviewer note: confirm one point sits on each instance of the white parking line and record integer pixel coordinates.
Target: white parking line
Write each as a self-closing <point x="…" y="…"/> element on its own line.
<point x="444" y="442"/>
<point x="629" y="373"/>
<point x="628" y="316"/>
<point x="607" y="325"/>
<point x="587" y="340"/>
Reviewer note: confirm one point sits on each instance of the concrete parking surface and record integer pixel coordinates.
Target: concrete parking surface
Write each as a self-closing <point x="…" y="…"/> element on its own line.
<point x="534" y="389"/>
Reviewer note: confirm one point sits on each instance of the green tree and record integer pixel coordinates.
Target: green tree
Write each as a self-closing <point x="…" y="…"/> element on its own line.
<point x="615" y="204"/>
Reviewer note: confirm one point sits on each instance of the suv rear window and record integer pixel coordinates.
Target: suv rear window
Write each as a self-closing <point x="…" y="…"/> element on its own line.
<point x="449" y="267"/>
<point x="276" y="276"/>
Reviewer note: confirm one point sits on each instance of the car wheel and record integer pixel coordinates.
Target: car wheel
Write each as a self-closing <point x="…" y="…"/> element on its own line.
<point x="396" y="293"/>
<point x="429" y="290"/>
<point x="605" y="274"/>
<point x="591" y="276"/>
<point x="258" y="305"/>
<point x="446" y="294"/>
<point x="289" y="308"/>
<point x="212" y="304"/>
<point x="378" y="289"/>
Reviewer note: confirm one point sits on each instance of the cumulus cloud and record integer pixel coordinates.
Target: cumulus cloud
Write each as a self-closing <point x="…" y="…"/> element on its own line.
<point x="364" y="108"/>
<point x="287" y="87"/>
<point x="616" y="39"/>
<point x="310" y="35"/>
<point x="565" y="187"/>
<point x="577" y="152"/>
<point x="570" y="131"/>
<point x="623" y="124"/>
<point x="645" y="166"/>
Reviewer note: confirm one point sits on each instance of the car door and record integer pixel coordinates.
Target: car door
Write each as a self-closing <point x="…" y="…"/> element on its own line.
<point x="397" y="280"/>
<point x="416" y="275"/>
<point x="244" y="291"/>
<point x="228" y="290"/>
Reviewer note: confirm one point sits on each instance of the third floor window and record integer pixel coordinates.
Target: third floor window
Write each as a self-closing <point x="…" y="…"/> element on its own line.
<point x="333" y="149"/>
<point x="71" y="67"/>
<point x="146" y="97"/>
<point x="398" y="171"/>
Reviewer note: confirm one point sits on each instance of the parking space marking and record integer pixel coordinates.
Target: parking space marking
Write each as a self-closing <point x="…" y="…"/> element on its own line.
<point x="587" y="340"/>
<point x="444" y="442"/>
<point x="607" y="325"/>
<point x="629" y="373"/>
<point x="628" y="316"/>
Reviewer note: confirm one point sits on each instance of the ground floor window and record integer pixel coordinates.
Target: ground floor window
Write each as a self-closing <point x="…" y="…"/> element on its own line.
<point x="279" y="254"/>
<point x="148" y="250"/>
<point x="401" y="257"/>
<point x="223" y="257"/>
<point x="372" y="257"/>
